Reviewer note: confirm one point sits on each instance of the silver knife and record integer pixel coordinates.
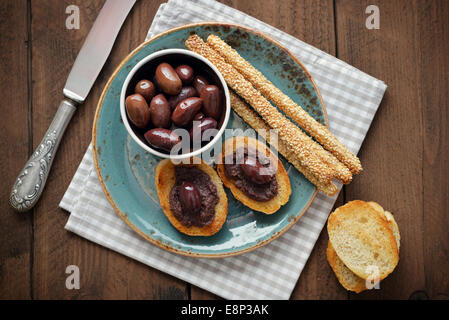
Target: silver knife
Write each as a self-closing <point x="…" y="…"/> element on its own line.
<point x="96" y="48"/>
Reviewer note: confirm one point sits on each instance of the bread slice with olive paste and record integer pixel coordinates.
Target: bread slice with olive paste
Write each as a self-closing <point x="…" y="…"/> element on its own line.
<point x="270" y="206"/>
<point x="165" y="181"/>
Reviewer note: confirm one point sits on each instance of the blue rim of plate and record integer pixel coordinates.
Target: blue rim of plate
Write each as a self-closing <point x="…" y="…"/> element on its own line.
<point x="151" y="231"/>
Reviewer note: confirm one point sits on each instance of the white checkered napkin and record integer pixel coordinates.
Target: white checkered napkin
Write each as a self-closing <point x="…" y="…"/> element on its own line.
<point x="271" y="272"/>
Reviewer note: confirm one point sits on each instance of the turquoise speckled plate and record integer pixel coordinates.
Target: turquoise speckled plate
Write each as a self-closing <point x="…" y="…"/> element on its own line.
<point x="126" y="171"/>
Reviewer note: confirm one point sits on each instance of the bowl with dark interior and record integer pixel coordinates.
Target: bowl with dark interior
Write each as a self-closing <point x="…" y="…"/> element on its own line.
<point x="175" y="104"/>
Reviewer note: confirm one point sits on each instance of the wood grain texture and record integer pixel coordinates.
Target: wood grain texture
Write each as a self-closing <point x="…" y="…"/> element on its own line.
<point x="391" y="153"/>
<point x="433" y="64"/>
<point x="310" y="21"/>
<point x="15" y="228"/>
<point x="400" y="54"/>
<point x="104" y="274"/>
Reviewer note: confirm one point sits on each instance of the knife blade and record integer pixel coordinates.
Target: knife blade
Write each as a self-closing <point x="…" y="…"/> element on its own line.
<point x="30" y="183"/>
<point x="96" y="49"/>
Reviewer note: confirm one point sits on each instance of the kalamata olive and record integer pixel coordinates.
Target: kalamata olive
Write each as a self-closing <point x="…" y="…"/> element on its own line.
<point x="137" y="110"/>
<point x="146" y="88"/>
<point x="158" y="89"/>
<point x="199" y="82"/>
<point x="198" y="127"/>
<point x="199" y="116"/>
<point x="252" y="169"/>
<point x="190" y="197"/>
<point x="160" y="111"/>
<point x="185" y="73"/>
<point x="186" y="92"/>
<point x="167" y="79"/>
<point x="211" y="101"/>
<point x="186" y="110"/>
<point x="161" y="138"/>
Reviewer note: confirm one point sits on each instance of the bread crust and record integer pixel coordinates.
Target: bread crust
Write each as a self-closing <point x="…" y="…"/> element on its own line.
<point x="165" y="180"/>
<point x="388" y="216"/>
<point x="284" y="187"/>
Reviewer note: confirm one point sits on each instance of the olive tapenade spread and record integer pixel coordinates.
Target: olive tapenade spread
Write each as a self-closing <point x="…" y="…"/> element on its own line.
<point x="193" y="197"/>
<point x="244" y="167"/>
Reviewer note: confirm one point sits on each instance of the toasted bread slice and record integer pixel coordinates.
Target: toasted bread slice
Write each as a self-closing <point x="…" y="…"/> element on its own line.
<point x="284" y="188"/>
<point x="165" y="180"/>
<point x="390" y="219"/>
<point x="348" y="279"/>
<point x="363" y="239"/>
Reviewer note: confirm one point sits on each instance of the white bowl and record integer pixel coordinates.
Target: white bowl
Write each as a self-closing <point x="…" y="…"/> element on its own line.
<point x="147" y="60"/>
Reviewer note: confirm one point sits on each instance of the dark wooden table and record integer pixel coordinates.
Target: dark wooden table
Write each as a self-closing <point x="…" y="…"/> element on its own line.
<point x="405" y="155"/>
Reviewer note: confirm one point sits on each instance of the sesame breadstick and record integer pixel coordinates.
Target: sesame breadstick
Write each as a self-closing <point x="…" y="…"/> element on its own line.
<point x="342" y="173"/>
<point x="320" y="132"/>
<point x="252" y="118"/>
<point x="298" y="142"/>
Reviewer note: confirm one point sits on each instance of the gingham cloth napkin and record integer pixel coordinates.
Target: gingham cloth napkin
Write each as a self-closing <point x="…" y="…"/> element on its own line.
<point x="271" y="272"/>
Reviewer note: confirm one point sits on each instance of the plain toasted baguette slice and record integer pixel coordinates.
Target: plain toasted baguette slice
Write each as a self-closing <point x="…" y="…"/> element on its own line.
<point x="284" y="187"/>
<point x="165" y="180"/>
<point x="390" y="219"/>
<point x="363" y="239"/>
<point x="348" y="279"/>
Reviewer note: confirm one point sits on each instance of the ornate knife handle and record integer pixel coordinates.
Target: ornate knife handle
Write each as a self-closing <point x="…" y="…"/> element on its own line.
<point x="31" y="181"/>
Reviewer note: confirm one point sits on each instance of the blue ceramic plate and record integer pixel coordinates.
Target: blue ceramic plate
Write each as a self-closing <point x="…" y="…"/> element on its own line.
<point x="127" y="172"/>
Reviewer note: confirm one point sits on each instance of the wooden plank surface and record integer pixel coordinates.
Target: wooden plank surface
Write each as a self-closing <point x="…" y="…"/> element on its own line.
<point x="405" y="154"/>
<point x="16" y="229"/>
<point x="433" y="67"/>
<point x="391" y="153"/>
<point x="408" y="53"/>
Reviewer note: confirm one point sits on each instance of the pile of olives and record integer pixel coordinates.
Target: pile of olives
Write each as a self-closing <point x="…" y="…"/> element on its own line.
<point x="176" y="98"/>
